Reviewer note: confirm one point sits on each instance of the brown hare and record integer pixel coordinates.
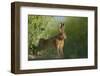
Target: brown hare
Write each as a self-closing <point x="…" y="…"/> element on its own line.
<point x="56" y="41"/>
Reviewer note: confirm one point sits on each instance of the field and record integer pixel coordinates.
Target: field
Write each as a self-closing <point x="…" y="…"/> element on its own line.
<point x="76" y="29"/>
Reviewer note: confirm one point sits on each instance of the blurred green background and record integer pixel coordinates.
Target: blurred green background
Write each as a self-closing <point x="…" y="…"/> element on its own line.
<point x="76" y="29"/>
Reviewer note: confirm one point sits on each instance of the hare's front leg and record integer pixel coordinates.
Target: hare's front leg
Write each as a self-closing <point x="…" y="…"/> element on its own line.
<point x="58" y="52"/>
<point x="61" y="48"/>
<point x="61" y="52"/>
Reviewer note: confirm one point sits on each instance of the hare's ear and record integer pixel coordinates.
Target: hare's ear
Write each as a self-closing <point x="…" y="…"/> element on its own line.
<point x="61" y="27"/>
<point x="63" y="24"/>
